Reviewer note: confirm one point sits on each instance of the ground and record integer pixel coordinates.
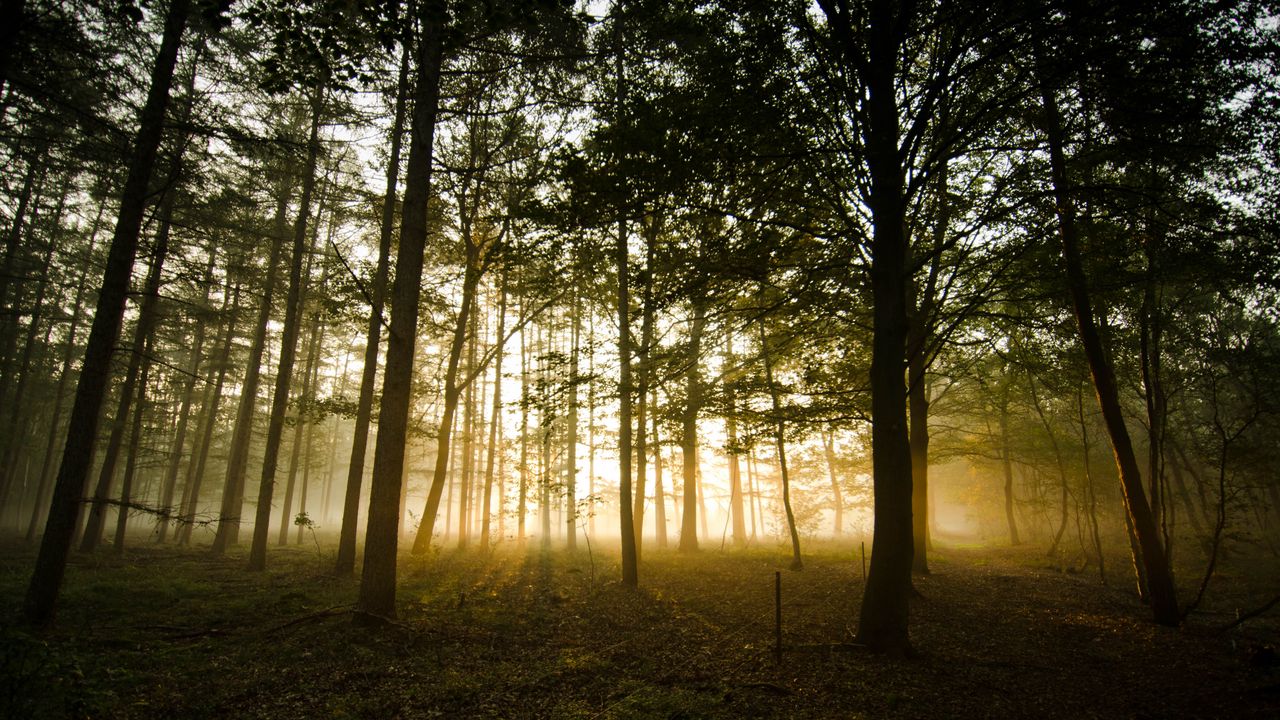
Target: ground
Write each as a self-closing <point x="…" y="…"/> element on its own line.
<point x="524" y="634"/>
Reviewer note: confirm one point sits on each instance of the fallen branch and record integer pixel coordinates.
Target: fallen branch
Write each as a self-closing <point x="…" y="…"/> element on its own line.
<point x="318" y="615"/>
<point x="1251" y="615"/>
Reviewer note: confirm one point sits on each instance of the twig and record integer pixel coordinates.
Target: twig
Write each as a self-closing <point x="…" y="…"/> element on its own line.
<point x="1251" y="615"/>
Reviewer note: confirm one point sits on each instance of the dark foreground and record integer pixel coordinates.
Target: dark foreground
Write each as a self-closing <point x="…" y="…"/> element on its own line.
<point x="163" y="633"/>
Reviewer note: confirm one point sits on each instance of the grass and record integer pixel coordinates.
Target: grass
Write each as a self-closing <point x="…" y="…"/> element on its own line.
<point x="522" y="633"/>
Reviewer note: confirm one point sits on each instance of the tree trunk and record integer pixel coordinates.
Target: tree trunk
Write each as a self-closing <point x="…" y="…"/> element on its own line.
<point x="141" y="336"/>
<point x="47" y="468"/>
<point x="46" y="580"/>
<point x="213" y="400"/>
<point x="170" y="482"/>
<point x="1006" y="463"/>
<point x="659" y="495"/>
<point x="736" y="507"/>
<point x="829" y="450"/>
<point x="630" y="556"/>
<point x="238" y="454"/>
<point x="689" y="430"/>
<point x="522" y="503"/>
<point x="496" y="420"/>
<point x="468" y="434"/>
<point x="1164" y="601"/>
<point x="378" y="576"/>
<point x="131" y="463"/>
<point x="571" y="442"/>
<point x="882" y="624"/>
<point x="346" y="561"/>
<point x="295" y="452"/>
<point x="780" y="443"/>
<point x="300" y="255"/>
<point x="452" y="393"/>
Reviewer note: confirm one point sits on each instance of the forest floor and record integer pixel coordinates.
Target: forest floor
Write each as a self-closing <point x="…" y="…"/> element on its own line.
<point x="160" y="632"/>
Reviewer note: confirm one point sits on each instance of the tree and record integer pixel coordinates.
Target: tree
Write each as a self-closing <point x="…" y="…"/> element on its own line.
<point x="46" y="580"/>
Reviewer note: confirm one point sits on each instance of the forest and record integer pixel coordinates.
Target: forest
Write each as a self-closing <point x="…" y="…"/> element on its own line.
<point x="624" y="358"/>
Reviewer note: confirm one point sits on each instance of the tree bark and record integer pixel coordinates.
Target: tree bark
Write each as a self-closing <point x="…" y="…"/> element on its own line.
<point x="689" y="430"/>
<point x="295" y="452"/>
<point x="46" y="580"/>
<point x="780" y="443"/>
<point x="346" y="561"/>
<point x="238" y="454"/>
<point x="496" y="421"/>
<point x="212" y="403"/>
<point x="630" y="556"/>
<point x="288" y="343"/>
<point x="138" y="357"/>
<point x="1164" y="601"/>
<point x="378" y="576"/>
<point x="170" y="482"/>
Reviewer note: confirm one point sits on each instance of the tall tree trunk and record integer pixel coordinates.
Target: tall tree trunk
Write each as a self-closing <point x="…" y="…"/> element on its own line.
<point x="643" y="373"/>
<point x="780" y="443"/>
<point x="736" y="507"/>
<point x="131" y="463"/>
<point x="64" y="375"/>
<point x="571" y="442"/>
<point x="452" y="393"/>
<point x="882" y="624"/>
<point x="659" y="495"/>
<point x="468" y="434"/>
<point x="522" y="502"/>
<point x="295" y="451"/>
<point x="238" y="454"/>
<point x="211" y="405"/>
<point x="829" y="451"/>
<point x="46" y="580"/>
<point x="137" y="358"/>
<point x="346" y="560"/>
<point x="496" y="421"/>
<point x="300" y="257"/>
<point x="689" y="429"/>
<point x="170" y="482"/>
<point x="630" y="556"/>
<point x="378" y="576"/>
<point x="1006" y="463"/>
<point x="18" y="425"/>
<point x="1164" y="600"/>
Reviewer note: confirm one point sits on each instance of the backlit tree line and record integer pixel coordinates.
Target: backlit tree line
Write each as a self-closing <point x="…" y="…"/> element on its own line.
<point x="679" y="274"/>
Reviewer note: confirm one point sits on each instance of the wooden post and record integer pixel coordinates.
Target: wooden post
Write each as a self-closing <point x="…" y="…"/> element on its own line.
<point x="777" y="617"/>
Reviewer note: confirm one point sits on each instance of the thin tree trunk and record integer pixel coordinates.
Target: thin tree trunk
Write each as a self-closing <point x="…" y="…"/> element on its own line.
<point x="468" y="435"/>
<point x="346" y="560"/>
<point x="642" y="381"/>
<point x="170" y="482"/>
<point x="1164" y="600"/>
<point x="213" y="401"/>
<point x="659" y="495"/>
<point x="571" y="442"/>
<point x="630" y="557"/>
<point x="689" y="431"/>
<point x="46" y="580"/>
<point x="1058" y="459"/>
<point x="780" y="440"/>
<point x="1006" y="463"/>
<point x="47" y="468"/>
<point x="452" y="393"/>
<point x="522" y="505"/>
<point x="238" y="454"/>
<point x="496" y="421"/>
<point x="300" y="257"/>
<point x="829" y="451"/>
<point x="736" y="507"/>
<point x="131" y="464"/>
<point x="141" y="334"/>
<point x="295" y="452"/>
<point x="378" y="575"/>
